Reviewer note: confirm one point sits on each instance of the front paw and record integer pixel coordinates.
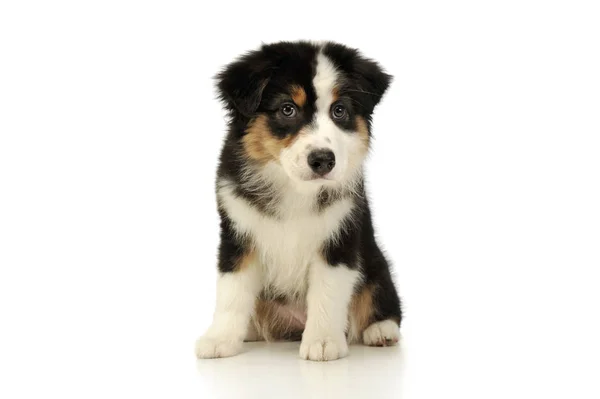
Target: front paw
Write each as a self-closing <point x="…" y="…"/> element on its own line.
<point x="210" y="348"/>
<point x="323" y="348"/>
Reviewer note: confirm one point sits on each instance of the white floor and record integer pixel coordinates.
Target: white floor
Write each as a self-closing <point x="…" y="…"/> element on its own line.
<point x="274" y="370"/>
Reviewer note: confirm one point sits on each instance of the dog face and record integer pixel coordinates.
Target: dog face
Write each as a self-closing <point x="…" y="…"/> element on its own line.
<point x="304" y="107"/>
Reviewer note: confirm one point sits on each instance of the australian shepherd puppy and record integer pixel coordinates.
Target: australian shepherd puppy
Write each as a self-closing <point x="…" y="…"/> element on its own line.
<point x="298" y="258"/>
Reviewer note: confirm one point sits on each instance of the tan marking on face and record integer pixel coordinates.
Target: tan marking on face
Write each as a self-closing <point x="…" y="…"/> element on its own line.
<point x="245" y="260"/>
<point x="298" y="95"/>
<point x="361" y="309"/>
<point x="335" y="94"/>
<point x="261" y="145"/>
<point x="362" y="130"/>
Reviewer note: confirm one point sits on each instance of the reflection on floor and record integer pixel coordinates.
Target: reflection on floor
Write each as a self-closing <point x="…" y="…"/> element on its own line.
<point x="269" y="370"/>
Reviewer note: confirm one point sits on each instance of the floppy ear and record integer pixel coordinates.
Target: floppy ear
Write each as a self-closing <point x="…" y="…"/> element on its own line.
<point x="368" y="78"/>
<point x="372" y="79"/>
<point x="241" y="83"/>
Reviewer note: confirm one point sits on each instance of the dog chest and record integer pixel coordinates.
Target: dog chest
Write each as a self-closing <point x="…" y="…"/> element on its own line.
<point x="287" y="244"/>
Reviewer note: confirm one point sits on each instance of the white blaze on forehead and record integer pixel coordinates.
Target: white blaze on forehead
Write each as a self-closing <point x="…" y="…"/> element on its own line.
<point x="324" y="134"/>
<point x="324" y="83"/>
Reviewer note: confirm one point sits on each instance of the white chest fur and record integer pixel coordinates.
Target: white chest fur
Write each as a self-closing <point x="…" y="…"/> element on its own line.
<point x="285" y="245"/>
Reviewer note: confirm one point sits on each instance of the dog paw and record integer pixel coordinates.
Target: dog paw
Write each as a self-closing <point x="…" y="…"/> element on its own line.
<point x="382" y="333"/>
<point x="210" y="348"/>
<point x="323" y="349"/>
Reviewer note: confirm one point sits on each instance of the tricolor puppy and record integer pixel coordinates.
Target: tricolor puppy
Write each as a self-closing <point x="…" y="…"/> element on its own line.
<point x="298" y="257"/>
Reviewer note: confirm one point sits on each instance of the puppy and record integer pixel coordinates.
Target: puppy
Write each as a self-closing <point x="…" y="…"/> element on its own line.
<point x="297" y="258"/>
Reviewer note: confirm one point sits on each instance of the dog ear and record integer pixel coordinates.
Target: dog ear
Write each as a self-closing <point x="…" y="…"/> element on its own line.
<point x="372" y="79"/>
<point x="368" y="78"/>
<point x="240" y="85"/>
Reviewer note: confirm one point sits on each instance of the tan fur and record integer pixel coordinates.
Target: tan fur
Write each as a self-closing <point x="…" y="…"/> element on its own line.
<point x="261" y="145"/>
<point x="335" y="94"/>
<point x="273" y="321"/>
<point x="362" y="129"/>
<point x="298" y="95"/>
<point x="245" y="260"/>
<point x="361" y="313"/>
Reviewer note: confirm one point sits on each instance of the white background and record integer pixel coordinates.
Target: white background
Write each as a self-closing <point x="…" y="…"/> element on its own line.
<point x="484" y="179"/>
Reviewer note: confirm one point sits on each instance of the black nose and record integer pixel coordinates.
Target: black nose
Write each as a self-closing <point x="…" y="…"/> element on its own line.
<point x="321" y="161"/>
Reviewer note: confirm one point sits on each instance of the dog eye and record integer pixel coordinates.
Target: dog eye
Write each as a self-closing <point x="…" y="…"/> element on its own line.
<point x="338" y="111"/>
<point x="288" y="110"/>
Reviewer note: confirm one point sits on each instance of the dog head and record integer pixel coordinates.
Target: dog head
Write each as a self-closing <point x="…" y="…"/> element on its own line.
<point x="305" y="108"/>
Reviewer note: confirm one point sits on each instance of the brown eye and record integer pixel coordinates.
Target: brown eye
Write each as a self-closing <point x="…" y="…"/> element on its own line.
<point x="288" y="110"/>
<point x="338" y="111"/>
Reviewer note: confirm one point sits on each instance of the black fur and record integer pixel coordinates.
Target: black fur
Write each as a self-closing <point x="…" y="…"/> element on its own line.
<point x="365" y="81"/>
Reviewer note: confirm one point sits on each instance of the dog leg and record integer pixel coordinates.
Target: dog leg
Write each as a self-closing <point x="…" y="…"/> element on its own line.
<point x="330" y="289"/>
<point x="236" y="295"/>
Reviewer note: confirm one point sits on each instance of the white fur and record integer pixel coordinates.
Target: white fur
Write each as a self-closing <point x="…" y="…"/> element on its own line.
<point x="324" y="82"/>
<point x="236" y="293"/>
<point x="323" y="133"/>
<point x="382" y="333"/>
<point x="329" y="294"/>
